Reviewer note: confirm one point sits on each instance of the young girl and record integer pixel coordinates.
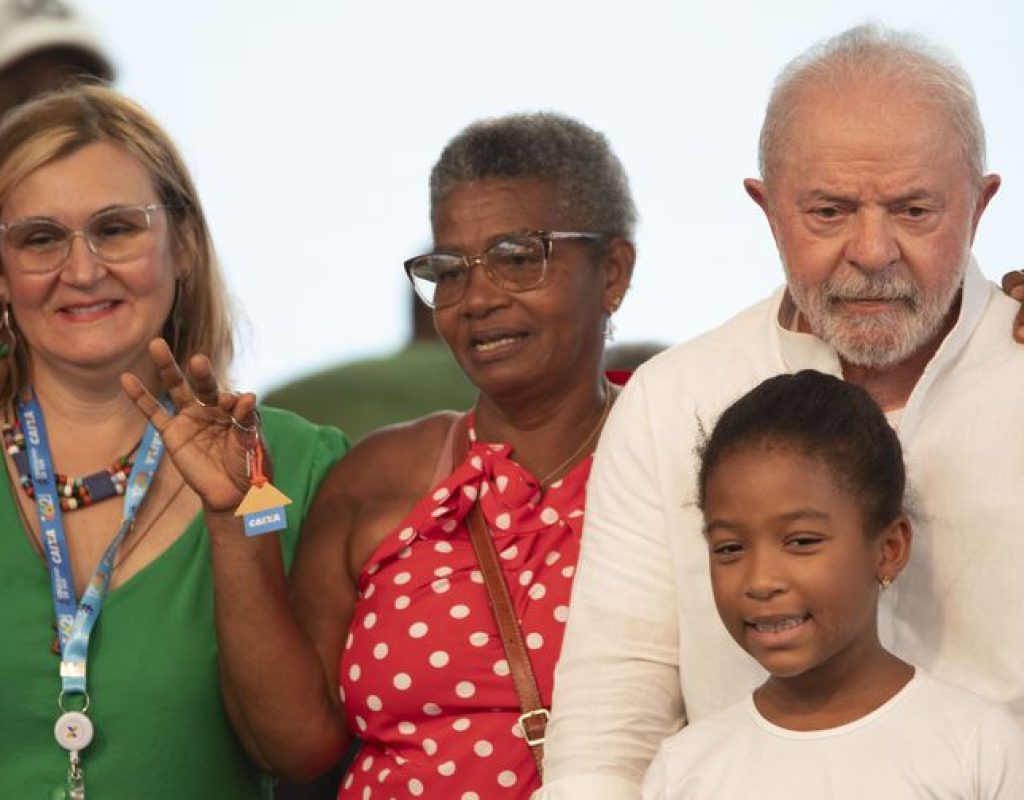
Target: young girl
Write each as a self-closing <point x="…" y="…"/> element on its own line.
<point x="801" y="485"/>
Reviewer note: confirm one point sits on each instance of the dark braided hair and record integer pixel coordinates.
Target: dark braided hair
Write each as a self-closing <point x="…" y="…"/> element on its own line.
<point x="823" y="418"/>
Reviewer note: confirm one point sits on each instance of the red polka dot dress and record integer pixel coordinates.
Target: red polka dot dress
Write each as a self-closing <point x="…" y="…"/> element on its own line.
<point x="424" y="678"/>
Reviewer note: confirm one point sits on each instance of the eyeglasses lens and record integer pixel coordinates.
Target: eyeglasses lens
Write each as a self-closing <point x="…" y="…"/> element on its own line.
<point x="516" y="264"/>
<point x="119" y="234"/>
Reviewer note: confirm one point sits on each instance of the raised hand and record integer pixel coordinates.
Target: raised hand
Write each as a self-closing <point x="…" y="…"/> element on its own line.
<point x="211" y="432"/>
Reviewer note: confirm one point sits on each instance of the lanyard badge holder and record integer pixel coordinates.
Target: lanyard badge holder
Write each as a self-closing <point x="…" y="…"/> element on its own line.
<point x="262" y="508"/>
<point x="76" y="620"/>
<point x="73" y="732"/>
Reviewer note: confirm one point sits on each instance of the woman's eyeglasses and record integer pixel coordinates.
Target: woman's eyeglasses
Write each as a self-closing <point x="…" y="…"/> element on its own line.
<point x="41" y="244"/>
<point x="516" y="262"/>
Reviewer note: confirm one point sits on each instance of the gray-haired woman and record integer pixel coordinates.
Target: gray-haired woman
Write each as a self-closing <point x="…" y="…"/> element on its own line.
<point x="392" y="638"/>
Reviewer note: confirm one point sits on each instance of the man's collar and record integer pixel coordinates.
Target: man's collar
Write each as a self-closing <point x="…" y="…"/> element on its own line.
<point x="973" y="301"/>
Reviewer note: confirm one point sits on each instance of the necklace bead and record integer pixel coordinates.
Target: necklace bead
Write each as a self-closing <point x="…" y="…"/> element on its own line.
<point x="74" y="492"/>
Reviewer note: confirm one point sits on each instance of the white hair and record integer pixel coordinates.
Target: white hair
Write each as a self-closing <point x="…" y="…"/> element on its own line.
<point x="873" y="53"/>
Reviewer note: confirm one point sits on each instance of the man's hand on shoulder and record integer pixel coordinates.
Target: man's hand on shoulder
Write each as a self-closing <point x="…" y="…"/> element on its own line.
<point x="1013" y="285"/>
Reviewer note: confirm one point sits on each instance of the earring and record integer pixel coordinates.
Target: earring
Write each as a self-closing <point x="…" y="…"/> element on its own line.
<point x="609" y="328"/>
<point x="178" y="315"/>
<point x="175" y="324"/>
<point x="884" y="582"/>
<point x="8" y="339"/>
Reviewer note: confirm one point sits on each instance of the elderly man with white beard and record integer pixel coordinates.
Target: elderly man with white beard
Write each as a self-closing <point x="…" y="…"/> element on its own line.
<point x="872" y="159"/>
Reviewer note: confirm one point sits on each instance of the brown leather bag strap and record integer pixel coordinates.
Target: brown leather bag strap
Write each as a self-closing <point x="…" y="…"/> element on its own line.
<point x="534" y="718"/>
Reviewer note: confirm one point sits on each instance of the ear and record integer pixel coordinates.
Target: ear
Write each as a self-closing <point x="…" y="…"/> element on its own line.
<point x="758" y="192"/>
<point x="989" y="186"/>
<point x="893" y="544"/>
<point x="617" y="268"/>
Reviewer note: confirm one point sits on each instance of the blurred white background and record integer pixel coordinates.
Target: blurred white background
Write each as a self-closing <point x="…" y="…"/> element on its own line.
<point x="311" y="128"/>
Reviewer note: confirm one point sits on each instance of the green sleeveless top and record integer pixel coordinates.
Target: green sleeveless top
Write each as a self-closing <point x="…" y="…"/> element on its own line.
<point x="161" y="728"/>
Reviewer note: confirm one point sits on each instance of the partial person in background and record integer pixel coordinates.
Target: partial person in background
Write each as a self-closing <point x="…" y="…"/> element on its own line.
<point x="873" y="184"/>
<point x="44" y="45"/>
<point x="103" y="246"/>
<point x="390" y="635"/>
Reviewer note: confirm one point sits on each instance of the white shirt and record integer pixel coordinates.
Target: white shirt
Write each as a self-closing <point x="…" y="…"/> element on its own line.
<point x="928" y="741"/>
<point x="643" y="634"/>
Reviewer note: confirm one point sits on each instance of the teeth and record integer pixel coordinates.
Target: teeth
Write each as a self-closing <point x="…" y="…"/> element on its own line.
<point x="496" y="343"/>
<point x="778" y="627"/>
<point x="89" y="309"/>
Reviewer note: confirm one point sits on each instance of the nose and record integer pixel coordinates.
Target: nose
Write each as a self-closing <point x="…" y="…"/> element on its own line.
<point x="873" y="245"/>
<point x="81" y="266"/>
<point x="483" y="295"/>
<point x="765" y="577"/>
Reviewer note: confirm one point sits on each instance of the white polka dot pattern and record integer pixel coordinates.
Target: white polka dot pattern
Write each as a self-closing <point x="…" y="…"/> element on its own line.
<point x="424" y="677"/>
<point x="439" y="658"/>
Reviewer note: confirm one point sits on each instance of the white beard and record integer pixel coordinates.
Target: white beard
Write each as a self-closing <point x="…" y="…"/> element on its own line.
<point x="882" y="340"/>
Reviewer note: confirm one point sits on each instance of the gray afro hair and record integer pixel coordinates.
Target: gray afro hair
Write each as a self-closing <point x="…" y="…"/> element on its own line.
<point x="592" y="185"/>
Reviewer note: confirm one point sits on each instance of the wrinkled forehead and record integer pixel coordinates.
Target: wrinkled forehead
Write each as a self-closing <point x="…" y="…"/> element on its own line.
<point x="474" y="211"/>
<point x="870" y="122"/>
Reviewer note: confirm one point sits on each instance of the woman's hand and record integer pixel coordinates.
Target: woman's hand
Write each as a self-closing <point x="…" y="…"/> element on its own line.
<point x="211" y="432"/>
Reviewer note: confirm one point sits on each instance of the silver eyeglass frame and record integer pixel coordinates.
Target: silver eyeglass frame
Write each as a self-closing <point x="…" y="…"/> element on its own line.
<point x="547" y="238"/>
<point x="71" y="233"/>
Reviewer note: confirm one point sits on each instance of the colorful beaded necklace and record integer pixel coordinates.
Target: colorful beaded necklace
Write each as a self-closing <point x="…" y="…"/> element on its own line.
<point x="74" y="492"/>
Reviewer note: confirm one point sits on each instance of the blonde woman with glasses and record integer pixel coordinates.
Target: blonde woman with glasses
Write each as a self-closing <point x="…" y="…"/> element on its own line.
<point x="109" y="671"/>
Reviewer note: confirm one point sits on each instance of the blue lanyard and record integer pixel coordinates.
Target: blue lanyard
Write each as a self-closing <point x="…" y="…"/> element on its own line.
<point x="75" y="621"/>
